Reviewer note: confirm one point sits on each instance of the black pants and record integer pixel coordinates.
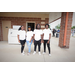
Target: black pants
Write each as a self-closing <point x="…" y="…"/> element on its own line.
<point x="22" y="45"/>
<point x="53" y="34"/>
<point x="37" y="43"/>
<point x="48" y="45"/>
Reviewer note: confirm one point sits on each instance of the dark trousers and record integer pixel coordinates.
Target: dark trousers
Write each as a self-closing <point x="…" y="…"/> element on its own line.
<point x="48" y="45"/>
<point x="37" y="43"/>
<point x="22" y="45"/>
<point x="53" y="34"/>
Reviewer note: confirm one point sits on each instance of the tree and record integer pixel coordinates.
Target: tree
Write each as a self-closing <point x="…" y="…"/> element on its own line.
<point x="58" y="26"/>
<point x="73" y="27"/>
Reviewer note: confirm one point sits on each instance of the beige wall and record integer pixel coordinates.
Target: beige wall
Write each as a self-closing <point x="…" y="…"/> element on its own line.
<point x="5" y="30"/>
<point x="54" y="15"/>
<point x="25" y="14"/>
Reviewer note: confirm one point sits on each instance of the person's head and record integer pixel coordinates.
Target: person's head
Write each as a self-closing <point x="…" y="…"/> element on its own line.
<point x="46" y="26"/>
<point x="38" y="26"/>
<point x="21" y="28"/>
<point x="29" y="28"/>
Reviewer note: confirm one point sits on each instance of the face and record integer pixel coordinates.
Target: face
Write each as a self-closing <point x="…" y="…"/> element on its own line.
<point x="46" y="26"/>
<point x="22" y="28"/>
<point x="29" y="29"/>
<point x="38" y="26"/>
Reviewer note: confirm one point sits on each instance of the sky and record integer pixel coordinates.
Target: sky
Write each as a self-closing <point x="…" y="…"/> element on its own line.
<point x="55" y="23"/>
<point x="73" y="22"/>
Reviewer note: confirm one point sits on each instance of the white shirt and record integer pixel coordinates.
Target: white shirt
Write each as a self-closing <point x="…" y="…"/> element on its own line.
<point x="38" y="34"/>
<point x="22" y="34"/>
<point x="29" y="35"/>
<point x="46" y="33"/>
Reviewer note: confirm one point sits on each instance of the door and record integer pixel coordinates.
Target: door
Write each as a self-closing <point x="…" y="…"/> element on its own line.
<point x="5" y="27"/>
<point x="32" y="26"/>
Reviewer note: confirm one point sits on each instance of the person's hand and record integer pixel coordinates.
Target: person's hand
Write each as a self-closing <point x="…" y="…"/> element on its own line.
<point x="42" y="41"/>
<point x="19" y="41"/>
<point x="47" y="41"/>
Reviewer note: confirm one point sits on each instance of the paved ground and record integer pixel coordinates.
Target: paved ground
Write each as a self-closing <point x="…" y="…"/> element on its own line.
<point x="11" y="53"/>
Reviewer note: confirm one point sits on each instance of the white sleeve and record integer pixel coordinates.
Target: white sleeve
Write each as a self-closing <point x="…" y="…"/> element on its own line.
<point x="31" y="33"/>
<point x="41" y="32"/>
<point x="34" y="32"/>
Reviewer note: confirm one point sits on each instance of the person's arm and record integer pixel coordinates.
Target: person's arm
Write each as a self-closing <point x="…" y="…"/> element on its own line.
<point x="18" y="38"/>
<point x="41" y="38"/>
<point x="25" y="34"/>
<point x="49" y="38"/>
<point x="33" y="37"/>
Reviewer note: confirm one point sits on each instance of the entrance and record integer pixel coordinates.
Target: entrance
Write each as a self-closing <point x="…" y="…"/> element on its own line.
<point x="32" y="26"/>
<point x="5" y="27"/>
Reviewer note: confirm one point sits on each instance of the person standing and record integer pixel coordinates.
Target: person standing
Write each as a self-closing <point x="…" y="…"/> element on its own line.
<point x="57" y="34"/>
<point x="29" y="39"/>
<point x="53" y="32"/>
<point x="73" y="32"/>
<point x="46" y="38"/>
<point x="22" y="38"/>
<point x="37" y="38"/>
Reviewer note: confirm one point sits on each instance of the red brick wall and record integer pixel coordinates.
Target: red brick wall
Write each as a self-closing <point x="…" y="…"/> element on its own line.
<point x="62" y="29"/>
<point x="19" y="21"/>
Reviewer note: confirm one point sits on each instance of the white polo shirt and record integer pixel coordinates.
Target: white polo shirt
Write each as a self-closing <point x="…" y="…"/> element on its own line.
<point x="46" y="33"/>
<point x="29" y="35"/>
<point x="38" y="34"/>
<point x="22" y="34"/>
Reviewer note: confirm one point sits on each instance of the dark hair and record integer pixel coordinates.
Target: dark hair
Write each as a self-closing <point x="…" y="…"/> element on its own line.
<point x="47" y="24"/>
<point x="29" y="27"/>
<point x="37" y="25"/>
<point x="20" y="28"/>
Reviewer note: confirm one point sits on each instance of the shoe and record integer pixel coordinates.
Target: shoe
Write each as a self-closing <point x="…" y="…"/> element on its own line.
<point x="28" y="53"/>
<point x="49" y="54"/>
<point x="34" y="53"/>
<point x="39" y="53"/>
<point x="22" y="53"/>
<point x="44" y="52"/>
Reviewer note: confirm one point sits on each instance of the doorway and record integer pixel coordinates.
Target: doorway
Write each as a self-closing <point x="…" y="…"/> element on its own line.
<point x="32" y="26"/>
<point x="5" y="27"/>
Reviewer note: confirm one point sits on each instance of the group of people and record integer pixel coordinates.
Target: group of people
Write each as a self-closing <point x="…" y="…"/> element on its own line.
<point x="56" y="31"/>
<point x="37" y="37"/>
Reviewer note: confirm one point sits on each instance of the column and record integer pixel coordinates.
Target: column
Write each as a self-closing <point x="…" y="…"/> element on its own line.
<point x="65" y="29"/>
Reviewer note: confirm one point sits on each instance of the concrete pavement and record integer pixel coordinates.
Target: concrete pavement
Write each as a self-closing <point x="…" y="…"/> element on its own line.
<point x="11" y="53"/>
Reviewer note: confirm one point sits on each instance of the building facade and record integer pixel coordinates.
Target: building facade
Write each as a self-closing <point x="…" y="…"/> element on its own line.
<point x="8" y="19"/>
